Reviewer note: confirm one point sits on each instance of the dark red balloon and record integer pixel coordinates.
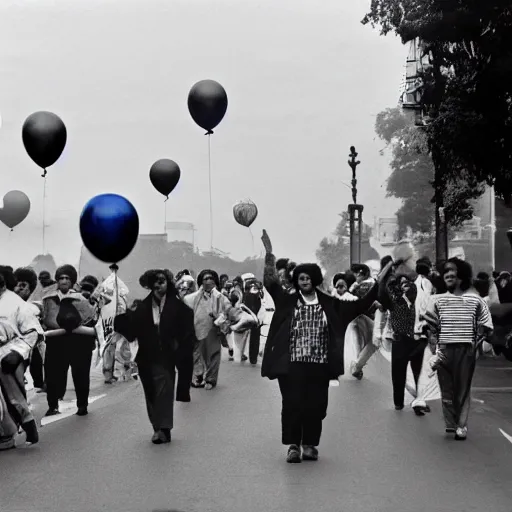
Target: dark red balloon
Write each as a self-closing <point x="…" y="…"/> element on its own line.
<point x="44" y="137"/>
<point x="165" y="175"/>
<point x="207" y="104"/>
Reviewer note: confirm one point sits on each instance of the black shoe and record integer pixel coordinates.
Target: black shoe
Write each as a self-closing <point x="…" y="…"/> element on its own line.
<point x="183" y="397"/>
<point x="82" y="411"/>
<point x="159" y="437"/>
<point x="52" y="411"/>
<point x="293" y="455"/>
<point x="167" y="434"/>
<point x="30" y="429"/>
<point x="309" y="452"/>
<point x="419" y="411"/>
<point x="244" y="358"/>
<point x="398" y="407"/>
<point x="450" y="430"/>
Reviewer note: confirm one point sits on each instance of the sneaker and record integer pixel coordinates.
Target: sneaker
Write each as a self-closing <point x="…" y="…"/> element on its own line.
<point x="309" y="453"/>
<point x="231" y="355"/>
<point x="461" y="433"/>
<point x="53" y="411"/>
<point x="293" y="456"/>
<point x="244" y="358"/>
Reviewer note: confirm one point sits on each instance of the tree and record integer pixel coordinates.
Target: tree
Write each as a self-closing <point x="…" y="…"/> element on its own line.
<point x="470" y="135"/>
<point x="334" y="254"/>
<point x="412" y="176"/>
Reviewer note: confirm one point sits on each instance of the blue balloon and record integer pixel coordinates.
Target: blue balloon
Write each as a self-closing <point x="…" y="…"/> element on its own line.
<point x="109" y="226"/>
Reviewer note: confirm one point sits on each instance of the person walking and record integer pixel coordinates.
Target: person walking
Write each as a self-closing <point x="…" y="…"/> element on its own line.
<point x="68" y="319"/>
<point x="459" y="319"/>
<point x="163" y="327"/>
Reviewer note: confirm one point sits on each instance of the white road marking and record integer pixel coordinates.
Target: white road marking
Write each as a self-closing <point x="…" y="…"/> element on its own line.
<point x="67" y="409"/>
<point x="507" y="437"/>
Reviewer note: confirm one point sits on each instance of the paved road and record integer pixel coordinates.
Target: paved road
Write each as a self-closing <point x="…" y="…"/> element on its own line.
<point x="226" y="456"/>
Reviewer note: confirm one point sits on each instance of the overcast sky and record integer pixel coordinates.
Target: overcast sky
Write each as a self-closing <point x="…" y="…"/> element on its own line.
<point x="304" y="81"/>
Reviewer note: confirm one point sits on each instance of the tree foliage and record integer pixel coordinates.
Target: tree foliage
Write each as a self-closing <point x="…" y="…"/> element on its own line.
<point x="333" y="253"/>
<point x="412" y="175"/>
<point x="470" y="43"/>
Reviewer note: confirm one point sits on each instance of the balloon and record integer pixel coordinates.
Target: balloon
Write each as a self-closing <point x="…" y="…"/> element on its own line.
<point x="245" y="212"/>
<point x="164" y="175"/>
<point x="44" y="137"/>
<point x="109" y="226"/>
<point x="207" y="104"/>
<point x="16" y="208"/>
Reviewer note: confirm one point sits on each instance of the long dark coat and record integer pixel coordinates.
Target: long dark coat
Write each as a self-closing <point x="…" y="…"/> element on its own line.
<point x="169" y="344"/>
<point x="276" y="358"/>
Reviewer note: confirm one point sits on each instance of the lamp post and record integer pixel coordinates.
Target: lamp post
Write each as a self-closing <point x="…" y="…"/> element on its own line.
<point x="355" y="212"/>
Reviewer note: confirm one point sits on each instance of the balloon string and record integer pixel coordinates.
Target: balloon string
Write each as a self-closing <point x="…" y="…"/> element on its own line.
<point x="210" y="187"/>
<point x="44" y="173"/>
<point x="44" y="213"/>
<point x="252" y="239"/>
<point x="165" y="216"/>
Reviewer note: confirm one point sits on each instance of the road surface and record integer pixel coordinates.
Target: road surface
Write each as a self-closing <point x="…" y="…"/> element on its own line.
<point x="226" y="455"/>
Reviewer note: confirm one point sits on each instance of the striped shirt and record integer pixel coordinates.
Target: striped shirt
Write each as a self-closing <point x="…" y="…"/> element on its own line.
<point x="457" y="318"/>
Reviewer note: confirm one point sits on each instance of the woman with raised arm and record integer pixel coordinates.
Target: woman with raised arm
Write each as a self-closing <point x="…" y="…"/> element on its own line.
<point x="304" y="351"/>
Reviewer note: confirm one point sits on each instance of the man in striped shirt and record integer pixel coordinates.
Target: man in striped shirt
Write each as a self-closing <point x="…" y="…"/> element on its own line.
<point x="459" y="319"/>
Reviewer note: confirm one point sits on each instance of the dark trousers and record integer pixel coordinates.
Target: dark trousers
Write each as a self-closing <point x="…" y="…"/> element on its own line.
<point x="254" y="345"/>
<point x="61" y="353"/>
<point x="185" y="368"/>
<point x="158" y="384"/>
<point x="405" y="350"/>
<point x="305" y="399"/>
<point x="455" y="374"/>
<point x="37" y="368"/>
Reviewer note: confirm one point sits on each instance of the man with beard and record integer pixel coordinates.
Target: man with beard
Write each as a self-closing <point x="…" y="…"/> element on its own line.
<point x="458" y="319"/>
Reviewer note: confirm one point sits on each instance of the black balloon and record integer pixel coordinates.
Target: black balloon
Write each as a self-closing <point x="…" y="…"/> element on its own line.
<point x="109" y="226"/>
<point x="68" y="317"/>
<point x="165" y="175"/>
<point x="207" y="104"/>
<point x="44" y="137"/>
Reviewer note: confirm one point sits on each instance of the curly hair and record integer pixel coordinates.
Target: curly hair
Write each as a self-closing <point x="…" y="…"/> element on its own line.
<point x="347" y="276"/>
<point x="210" y="272"/>
<point x="464" y="272"/>
<point x="26" y="275"/>
<point x="312" y="270"/>
<point x="149" y="278"/>
<point x="7" y="278"/>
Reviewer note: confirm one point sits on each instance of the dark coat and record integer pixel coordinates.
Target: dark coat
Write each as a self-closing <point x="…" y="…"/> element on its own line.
<point x="172" y="342"/>
<point x="276" y="358"/>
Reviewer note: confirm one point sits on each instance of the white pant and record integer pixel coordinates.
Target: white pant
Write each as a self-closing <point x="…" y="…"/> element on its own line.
<point x="240" y="340"/>
<point x="428" y="387"/>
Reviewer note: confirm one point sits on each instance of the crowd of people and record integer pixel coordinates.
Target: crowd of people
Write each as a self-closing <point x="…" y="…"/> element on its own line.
<point x="433" y="320"/>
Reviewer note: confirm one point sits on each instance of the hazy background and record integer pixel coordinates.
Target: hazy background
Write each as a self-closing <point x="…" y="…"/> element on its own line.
<point x="304" y="81"/>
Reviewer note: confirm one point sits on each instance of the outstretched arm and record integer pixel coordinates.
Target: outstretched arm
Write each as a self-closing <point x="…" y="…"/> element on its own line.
<point x="270" y="278"/>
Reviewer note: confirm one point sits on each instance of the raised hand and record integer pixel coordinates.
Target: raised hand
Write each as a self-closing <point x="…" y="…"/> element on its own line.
<point x="266" y="242"/>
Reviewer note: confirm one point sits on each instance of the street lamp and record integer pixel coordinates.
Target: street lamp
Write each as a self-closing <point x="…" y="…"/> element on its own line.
<point x="355" y="213"/>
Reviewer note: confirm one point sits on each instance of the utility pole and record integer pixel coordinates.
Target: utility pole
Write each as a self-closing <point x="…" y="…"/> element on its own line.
<point x="355" y="212"/>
